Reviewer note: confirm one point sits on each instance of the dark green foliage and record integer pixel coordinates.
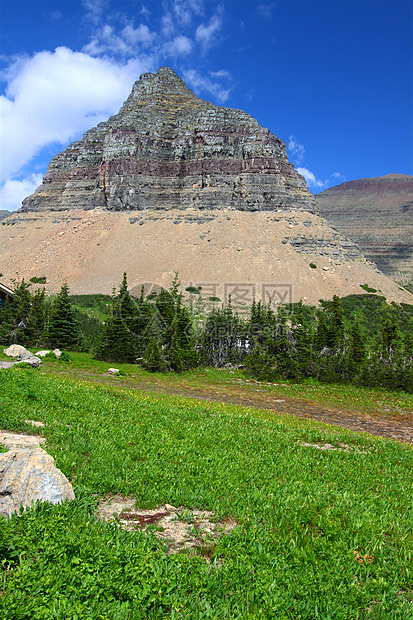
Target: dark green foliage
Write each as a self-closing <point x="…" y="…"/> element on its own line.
<point x="368" y="289"/>
<point x="63" y="331"/>
<point x="225" y="338"/>
<point x="156" y="330"/>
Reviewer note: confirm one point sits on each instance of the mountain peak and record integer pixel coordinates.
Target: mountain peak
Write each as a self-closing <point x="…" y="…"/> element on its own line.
<point x="164" y="84"/>
<point x="166" y="148"/>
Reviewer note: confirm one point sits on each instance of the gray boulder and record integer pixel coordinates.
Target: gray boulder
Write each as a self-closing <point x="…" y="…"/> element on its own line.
<point x="28" y="475"/>
<point x="28" y="358"/>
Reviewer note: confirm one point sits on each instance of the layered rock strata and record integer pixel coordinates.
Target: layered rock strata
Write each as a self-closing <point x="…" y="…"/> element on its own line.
<point x="168" y="149"/>
<point x="176" y="184"/>
<point x="377" y="214"/>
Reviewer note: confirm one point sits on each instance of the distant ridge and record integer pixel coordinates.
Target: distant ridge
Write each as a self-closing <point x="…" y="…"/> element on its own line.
<point x="377" y="214"/>
<point x="4" y="214"/>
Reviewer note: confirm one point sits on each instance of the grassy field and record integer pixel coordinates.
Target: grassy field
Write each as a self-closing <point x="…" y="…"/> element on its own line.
<point x="321" y="533"/>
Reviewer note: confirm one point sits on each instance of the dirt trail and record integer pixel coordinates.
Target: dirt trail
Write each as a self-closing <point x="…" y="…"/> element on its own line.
<point x="385" y="425"/>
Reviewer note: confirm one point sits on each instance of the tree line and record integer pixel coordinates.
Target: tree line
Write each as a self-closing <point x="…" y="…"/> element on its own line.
<point x="334" y="342"/>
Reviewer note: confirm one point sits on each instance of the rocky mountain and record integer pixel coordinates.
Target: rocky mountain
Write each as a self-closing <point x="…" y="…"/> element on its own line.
<point x="168" y="149"/>
<point x="171" y="184"/>
<point x="4" y="214"/>
<point x="377" y="214"/>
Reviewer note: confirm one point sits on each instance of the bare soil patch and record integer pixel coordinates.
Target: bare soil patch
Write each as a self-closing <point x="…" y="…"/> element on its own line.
<point x="179" y="528"/>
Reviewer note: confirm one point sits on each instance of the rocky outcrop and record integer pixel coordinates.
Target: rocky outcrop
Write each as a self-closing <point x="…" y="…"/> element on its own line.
<point x="168" y="149"/>
<point x="29" y="475"/>
<point x="377" y="214"/>
<point x="23" y="355"/>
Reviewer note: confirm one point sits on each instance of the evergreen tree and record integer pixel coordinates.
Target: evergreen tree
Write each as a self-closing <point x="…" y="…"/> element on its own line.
<point x="357" y="347"/>
<point x="336" y="334"/>
<point x="6" y="323"/>
<point x="37" y="317"/>
<point x="63" y="331"/>
<point x="21" y="307"/>
<point x="118" y="341"/>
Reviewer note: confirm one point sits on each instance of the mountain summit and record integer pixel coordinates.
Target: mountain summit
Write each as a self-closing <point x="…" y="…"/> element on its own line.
<point x="171" y="184"/>
<point x="166" y="148"/>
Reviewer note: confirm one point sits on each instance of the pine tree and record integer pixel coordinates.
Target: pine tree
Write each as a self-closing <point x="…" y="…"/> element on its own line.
<point x="20" y="311"/>
<point x="357" y="348"/>
<point x="337" y="325"/>
<point x="6" y="323"/>
<point x="37" y="317"/>
<point x="63" y="331"/>
<point x="118" y="341"/>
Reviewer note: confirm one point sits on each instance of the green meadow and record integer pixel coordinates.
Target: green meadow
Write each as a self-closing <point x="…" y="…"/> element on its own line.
<point x="321" y="533"/>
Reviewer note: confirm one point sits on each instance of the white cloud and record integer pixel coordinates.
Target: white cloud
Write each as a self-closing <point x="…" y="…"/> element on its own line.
<point x="53" y="97"/>
<point x="310" y="178"/>
<point x="94" y="9"/>
<point x="206" y="33"/>
<point x="184" y="10"/>
<point x="200" y="84"/>
<point x="141" y="34"/>
<point x="179" y="46"/>
<point x="168" y="26"/>
<point x="13" y="192"/>
<point x="266" y="10"/>
<point x="129" y="42"/>
<point x="296" y="149"/>
<point x="339" y="176"/>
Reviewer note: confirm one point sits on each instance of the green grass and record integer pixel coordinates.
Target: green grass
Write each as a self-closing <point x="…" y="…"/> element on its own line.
<point x="232" y="384"/>
<point x="304" y="514"/>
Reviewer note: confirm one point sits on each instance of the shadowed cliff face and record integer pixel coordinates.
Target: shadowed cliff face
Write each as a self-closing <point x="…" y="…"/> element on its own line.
<point x="377" y="214"/>
<point x="166" y="148"/>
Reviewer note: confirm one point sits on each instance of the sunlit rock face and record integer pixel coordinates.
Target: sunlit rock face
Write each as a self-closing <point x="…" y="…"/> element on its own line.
<point x="168" y="149"/>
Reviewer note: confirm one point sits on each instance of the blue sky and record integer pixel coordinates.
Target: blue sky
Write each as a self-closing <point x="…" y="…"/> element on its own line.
<point x="332" y="78"/>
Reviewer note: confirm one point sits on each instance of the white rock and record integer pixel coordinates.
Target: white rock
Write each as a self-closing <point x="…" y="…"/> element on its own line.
<point x="30" y="475"/>
<point x="42" y="353"/>
<point x="14" y="350"/>
<point x="57" y="352"/>
<point x="113" y="371"/>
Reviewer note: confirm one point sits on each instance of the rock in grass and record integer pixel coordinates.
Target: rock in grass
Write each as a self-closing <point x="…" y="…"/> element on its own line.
<point x="15" y="350"/>
<point x="28" y="358"/>
<point x="30" y="475"/>
<point x="6" y="364"/>
<point x="42" y="353"/>
<point x="113" y="371"/>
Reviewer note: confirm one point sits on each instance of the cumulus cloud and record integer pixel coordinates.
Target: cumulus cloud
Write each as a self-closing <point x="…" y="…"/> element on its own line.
<point x="52" y="97"/>
<point x="13" y="192"/>
<point x="203" y="84"/>
<point x="55" y="96"/>
<point x="296" y="150"/>
<point x="179" y="46"/>
<point x="312" y="182"/>
<point x="206" y="34"/>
